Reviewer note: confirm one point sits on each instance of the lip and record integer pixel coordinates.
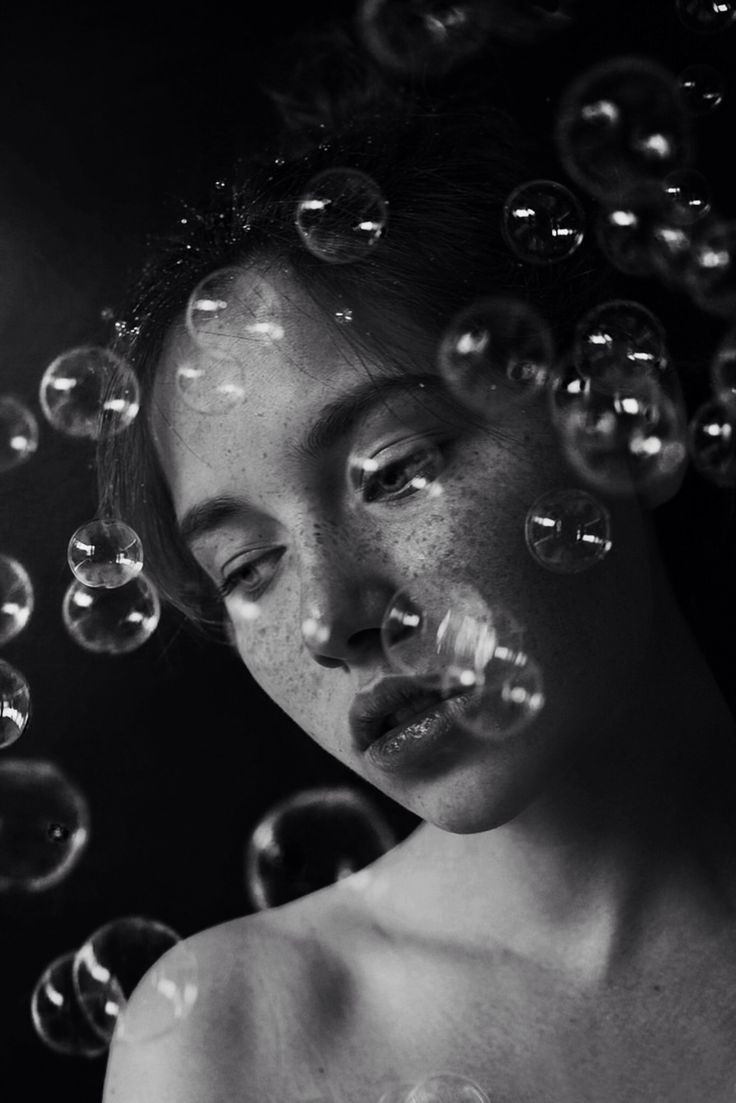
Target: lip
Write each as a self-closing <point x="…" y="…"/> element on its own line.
<point x="416" y="736"/>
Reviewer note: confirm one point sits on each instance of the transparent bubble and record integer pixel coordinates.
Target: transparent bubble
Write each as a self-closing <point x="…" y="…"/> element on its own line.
<point x="57" y="1016"/>
<point x="723" y="370"/>
<point x="44" y="825"/>
<point x="397" y="472"/>
<point x="15" y="704"/>
<point x="702" y="88"/>
<point x="112" y="963"/>
<point x="495" y="353"/>
<point x="543" y="222"/>
<point x="105" y="553"/>
<point x="625" y="441"/>
<point x="503" y="706"/>
<point x="689" y="195"/>
<point x="312" y="840"/>
<point x="447" y="636"/>
<point x="18" y="432"/>
<point x="209" y="384"/>
<point x="112" y="622"/>
<point x="710" y="276"/>
<point x="622" y="122"/>
<point x="627" y="226"/>
<point x="568" y="530"/>
<point x="447" y="1087"/>
<point x="16" y="598"/>
<point x="706" y="16"/>
<point x="342" y="215"/>
<point x="421" y="36"/>
<point x="712" y="442"/>
<point x="226" y="305"/>
<point x="89" y="391"/>
<point x="619" y="343"/>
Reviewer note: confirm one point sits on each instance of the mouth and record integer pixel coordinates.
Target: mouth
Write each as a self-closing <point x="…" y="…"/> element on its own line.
<point x="401" y="719"/>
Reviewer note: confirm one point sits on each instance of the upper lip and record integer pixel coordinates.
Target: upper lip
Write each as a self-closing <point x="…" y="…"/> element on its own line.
<point x="371" y="711"/>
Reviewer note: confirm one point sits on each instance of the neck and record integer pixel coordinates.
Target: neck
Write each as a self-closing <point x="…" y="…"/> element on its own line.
<point x="636" y="827"/>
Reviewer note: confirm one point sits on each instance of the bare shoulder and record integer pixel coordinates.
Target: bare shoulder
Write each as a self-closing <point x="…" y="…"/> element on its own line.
<point x="262" y="982"/>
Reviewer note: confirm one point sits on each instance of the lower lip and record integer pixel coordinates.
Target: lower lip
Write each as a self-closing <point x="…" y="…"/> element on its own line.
<point x="402" y="746"/>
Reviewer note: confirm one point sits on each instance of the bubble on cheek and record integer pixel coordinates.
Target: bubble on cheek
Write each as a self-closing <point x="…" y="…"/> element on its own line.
<point x="312" y="840"/>
<point x="446" y="1087"/>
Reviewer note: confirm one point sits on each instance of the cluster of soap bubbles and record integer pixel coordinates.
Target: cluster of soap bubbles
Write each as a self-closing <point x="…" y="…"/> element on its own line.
<point x="624" y="136"/>
<point x="311" y="840"/>
<point x="79" y="1002"/>
<point x="16" y="607"/>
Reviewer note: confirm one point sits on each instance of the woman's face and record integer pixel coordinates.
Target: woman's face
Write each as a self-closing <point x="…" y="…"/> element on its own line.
<point x="266" y="499"/>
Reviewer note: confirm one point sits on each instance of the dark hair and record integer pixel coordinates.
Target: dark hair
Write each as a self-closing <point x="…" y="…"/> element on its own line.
<point x="445" y="157"/>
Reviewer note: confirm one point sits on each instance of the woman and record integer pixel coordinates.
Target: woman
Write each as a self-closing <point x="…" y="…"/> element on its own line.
<point x="561" y="924"/>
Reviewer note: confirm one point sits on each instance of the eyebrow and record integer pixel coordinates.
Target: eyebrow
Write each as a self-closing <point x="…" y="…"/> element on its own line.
<point x="333" y="424"/>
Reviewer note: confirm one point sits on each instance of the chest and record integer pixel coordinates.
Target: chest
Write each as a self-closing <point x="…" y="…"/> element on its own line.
<point x="399" y="1014"/>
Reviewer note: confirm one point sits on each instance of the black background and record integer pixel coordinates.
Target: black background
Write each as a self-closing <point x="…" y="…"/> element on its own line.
<point x="108" y="116"/>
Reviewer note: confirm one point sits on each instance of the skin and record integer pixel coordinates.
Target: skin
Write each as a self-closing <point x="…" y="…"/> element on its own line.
<point x="586" y="845"/>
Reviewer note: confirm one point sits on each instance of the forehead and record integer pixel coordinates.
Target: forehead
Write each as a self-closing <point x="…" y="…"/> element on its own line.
<point x="293" y="359"/>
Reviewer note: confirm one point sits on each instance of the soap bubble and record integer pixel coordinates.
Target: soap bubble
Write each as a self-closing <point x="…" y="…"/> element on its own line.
<point x="18" y="432"/>
<point x="502" y="706"/>
<point x="447" y="637"/>
<point x="57" y="1016"/>
<point x="89" y="391"/>
<point x="16" y="598"/>
<point x="619" y="343"/>
<point x="208" y="384"/>
<point x="45" y="825"/>
<point x="447" y="1087"/>
<point x="105" y="553"/>
<point x="495" y="353"/>
<point x="712" y="442"/>
<point x="226" y="306"/>
<point x="15" y="705"/>
<point x="622" y="122"/>
<point x="342" y="215"/>
<point x="311" y="840"/>
<point x="710" y="276"/>
<point x="627" y="228"/>
<point x="421" y="36"/>
<point x="702" y="88"/>
<point x="706" y="16"/>
<point x="723" y="370"/>
<point x="568" y="531"/>
<point x="543" y="222"/>
<point x="689" y="196"/>
<point x="625" y="441"/>
<point x="112" y="622"/>
<point x="112" y="963"/>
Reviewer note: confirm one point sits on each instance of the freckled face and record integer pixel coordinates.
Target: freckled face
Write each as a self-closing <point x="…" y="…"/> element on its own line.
<point x="295" y="539"/>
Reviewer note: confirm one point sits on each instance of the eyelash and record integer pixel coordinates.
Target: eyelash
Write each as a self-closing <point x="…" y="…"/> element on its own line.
<point x="365" y="482"/>
<point x="365" y="486"/>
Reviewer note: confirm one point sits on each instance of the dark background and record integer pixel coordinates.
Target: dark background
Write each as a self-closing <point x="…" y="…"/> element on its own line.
<point x="109" y="116"/>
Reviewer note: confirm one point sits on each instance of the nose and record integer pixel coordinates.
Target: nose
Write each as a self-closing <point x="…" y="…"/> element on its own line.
<point x="343" y="602"/>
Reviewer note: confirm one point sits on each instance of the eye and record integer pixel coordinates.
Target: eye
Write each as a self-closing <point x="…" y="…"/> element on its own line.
<point x="393" y="474"/>
<point x="251" y="577"/>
